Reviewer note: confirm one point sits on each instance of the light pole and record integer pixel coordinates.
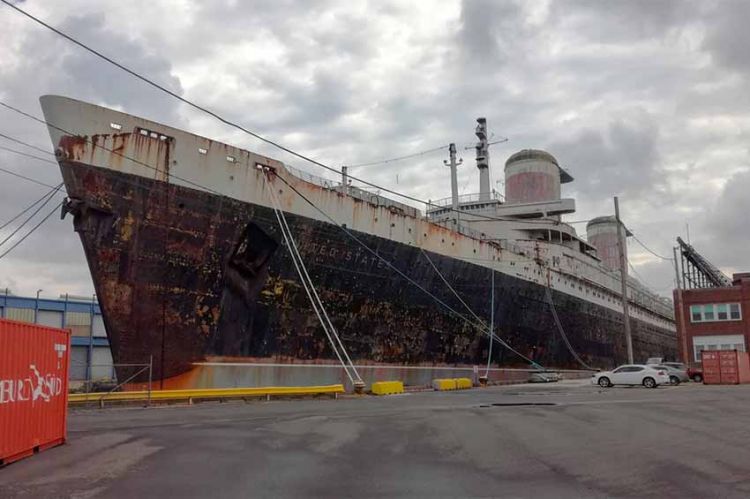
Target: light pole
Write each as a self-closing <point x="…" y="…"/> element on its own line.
<point x="36" y="305"/>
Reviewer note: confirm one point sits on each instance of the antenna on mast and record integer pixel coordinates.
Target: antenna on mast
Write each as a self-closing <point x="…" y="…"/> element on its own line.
<point x="453" y="164"/>
<point x="483" y="159"/>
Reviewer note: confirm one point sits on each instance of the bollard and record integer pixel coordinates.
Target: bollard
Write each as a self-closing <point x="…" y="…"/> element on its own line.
<point x="483" y="381"/>
<point x="359" y="387"/>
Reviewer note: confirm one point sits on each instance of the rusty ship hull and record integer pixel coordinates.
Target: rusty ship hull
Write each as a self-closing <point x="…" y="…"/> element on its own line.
<point x="184" y="272"/>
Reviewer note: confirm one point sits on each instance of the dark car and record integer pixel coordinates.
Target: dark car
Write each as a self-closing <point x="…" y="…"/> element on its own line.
<point x="694" y="373"/>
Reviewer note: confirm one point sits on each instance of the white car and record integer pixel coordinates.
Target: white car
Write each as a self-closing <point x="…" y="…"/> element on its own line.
<point x="632" y="374"/>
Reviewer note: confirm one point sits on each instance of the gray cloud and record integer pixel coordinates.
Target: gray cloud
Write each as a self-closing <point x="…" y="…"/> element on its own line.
<point x="624" y="22"/>
<point x="727" y="238"/>
<point x="490" y="31"/>
<point x="623" y="158"/>
<point x="727" y="37"/>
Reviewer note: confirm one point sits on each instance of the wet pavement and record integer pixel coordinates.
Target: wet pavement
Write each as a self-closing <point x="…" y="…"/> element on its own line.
<point x="565" y="439"/>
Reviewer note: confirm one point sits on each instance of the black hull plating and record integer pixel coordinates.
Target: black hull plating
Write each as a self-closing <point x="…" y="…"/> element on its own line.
<point x="182" y="274"/>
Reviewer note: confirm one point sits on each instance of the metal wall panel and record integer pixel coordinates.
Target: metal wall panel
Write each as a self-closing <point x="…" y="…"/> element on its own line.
<point x="79" y="323"/>
<point x="78" y="363"/>
<point x="101" y="364"/>
<point x="51" y="318"/>
<point x="77" y="318"/>
<point x="20" y="314"/>
<point x="99" y="331"/>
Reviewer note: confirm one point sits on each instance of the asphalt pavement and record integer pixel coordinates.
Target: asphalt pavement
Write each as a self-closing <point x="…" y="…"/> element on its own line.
<point x="558" y="440"/>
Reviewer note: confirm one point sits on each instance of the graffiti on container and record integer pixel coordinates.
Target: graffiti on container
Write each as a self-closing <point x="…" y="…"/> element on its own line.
<point x="30" y="389"/>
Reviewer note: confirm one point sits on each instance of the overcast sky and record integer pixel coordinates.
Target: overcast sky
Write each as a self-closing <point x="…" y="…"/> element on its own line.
<point x="646" y="100"/>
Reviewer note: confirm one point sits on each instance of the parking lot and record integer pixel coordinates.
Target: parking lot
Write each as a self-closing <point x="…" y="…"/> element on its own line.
<point x="567" y="439"/>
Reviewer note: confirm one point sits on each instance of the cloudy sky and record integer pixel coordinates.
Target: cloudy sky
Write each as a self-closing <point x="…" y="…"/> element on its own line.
<point x="646" y="100"/>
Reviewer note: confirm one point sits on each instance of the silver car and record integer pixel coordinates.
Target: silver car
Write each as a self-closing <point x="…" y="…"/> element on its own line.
<point x="676" y="375"/>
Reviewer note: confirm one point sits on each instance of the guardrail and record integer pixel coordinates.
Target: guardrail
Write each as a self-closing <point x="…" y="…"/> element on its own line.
<point x="204" y="393"/>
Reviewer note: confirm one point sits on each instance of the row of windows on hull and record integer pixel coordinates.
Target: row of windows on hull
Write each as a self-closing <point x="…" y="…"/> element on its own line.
<point x="715" y="312"/>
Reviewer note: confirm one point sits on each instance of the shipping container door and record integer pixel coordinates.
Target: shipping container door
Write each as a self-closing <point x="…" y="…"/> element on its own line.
<point x="711" y="367"/>
<point x="728" y="367"/>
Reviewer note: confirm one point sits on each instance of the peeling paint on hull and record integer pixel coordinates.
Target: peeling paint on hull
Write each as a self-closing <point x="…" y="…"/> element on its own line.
<point x="182" y="274"/>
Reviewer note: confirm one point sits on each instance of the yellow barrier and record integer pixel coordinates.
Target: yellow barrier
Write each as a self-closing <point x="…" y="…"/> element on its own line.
<point x="463" y="383"/>
<point x="387" y="387"/>
<point x="205" y="393"/>
<point x="451" y="384"/>
<point x="444" y="384"/>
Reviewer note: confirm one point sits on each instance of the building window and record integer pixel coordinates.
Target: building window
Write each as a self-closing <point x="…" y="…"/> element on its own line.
<point x="734" y="311"/>
<point x="721" y="312"/>
<point x="698" y="350"/>
<point x="708" y="312"/>
<point x="715" y="312"/>
<point x="695" y="313"/>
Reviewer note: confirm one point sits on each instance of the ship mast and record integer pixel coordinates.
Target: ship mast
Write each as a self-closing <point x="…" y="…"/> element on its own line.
<point x="453" y="164"/>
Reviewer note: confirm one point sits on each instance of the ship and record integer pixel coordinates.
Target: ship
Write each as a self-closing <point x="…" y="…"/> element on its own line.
<point x="189" y="263"/>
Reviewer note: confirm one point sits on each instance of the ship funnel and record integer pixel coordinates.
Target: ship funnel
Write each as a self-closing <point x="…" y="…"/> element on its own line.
<point x="601" y="233"/>
<point x="532" y="176"/>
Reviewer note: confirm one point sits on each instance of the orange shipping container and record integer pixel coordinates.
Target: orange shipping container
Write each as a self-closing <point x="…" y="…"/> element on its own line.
<point x="33" y="388"/>
<point x="725" y="367"/>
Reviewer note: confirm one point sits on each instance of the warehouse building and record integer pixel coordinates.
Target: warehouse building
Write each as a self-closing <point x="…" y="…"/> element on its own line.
<point x="90" y="357"/>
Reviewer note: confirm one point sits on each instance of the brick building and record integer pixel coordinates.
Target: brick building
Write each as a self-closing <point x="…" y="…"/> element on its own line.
<point x="713" y="318"/>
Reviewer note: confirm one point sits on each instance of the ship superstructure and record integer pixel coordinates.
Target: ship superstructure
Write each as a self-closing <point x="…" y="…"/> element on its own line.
<point x="185" y="251"/>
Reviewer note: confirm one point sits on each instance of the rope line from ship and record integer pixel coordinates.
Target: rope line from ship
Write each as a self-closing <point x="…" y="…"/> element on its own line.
<point x="28" y="179"/>
<point x="25" y="210"/>
<point x="492" y="311"/>
<point x="45" y="200"/>
<point x="649" y="249"/>
<point x="476" y="325"/>
<point x="484" y="325"/>
<point x="558" y="324"/>
<point x="14" y="151"/>
<point x="32" y="230"/>
<point x="309" y="287"/>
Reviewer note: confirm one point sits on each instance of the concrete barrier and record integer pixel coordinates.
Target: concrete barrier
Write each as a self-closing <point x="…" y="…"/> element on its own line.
<point x="387" y="387"/>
